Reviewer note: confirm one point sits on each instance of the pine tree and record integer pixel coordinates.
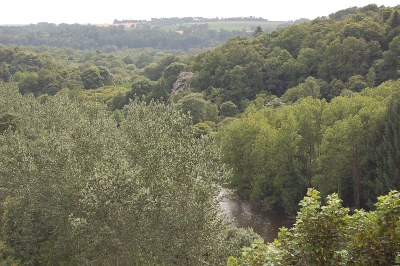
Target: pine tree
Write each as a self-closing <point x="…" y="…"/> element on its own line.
<point x="394" y="20"/>
<point x="390" y="152"/>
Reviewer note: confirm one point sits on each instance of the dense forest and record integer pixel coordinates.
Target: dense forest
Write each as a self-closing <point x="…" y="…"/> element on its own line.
<point x="349" y="146"/>
<point x="351" y="50"/>
<point x="115" y="143"/>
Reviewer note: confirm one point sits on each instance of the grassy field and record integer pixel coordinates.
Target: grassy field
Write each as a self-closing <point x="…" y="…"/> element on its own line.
<point x="246" y="25"/>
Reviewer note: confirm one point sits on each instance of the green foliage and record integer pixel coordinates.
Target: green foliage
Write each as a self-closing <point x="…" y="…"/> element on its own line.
<point x="194" y="105"/>
<point x="228" y="109"/>
<point x="171" y="73"/>
<point x="383" y="171"/>
<point x="310" y="87"/>
<point x="109" y="96"/>
<point x="263" y="157"/>
<point x="107" y="76"/>
<point x="27" y="82"/>
<point x="141" y="88"/>
<point x="201" y="129"/>
<point x="154" y="71"/>
<point x="343" y="150"/>
<point x="356" y="83"/>
<point x="7" y="121"/>
<point x="92" y="78"/>
<point x="348" y="146"/>
<point x="394" y="20"/>
<point x="211" y="112"/>
<point x="328" y="235"/>
<point x="356" y="46"/>
<point x="238" y="238"/>
<point x="258" y="32"/>
<point x="236" y="67"/>
<point x="47" y="70"/>
<point x="158" y="92"/>
<point x="77" y="189"/>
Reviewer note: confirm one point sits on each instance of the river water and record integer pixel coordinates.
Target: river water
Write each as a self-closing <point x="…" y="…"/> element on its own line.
<point x="246" y="214"/>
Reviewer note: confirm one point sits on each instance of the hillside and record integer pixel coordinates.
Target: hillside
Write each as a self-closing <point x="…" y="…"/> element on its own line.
<point x="351" y="49"/>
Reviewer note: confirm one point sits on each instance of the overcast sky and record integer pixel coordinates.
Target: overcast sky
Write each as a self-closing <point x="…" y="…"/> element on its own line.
<point x="101" y="11"/>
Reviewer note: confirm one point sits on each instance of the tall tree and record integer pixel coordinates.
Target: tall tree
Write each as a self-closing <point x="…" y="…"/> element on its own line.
<point x="77" y="189"/>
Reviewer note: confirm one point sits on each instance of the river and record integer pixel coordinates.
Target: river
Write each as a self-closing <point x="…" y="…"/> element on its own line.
<point x="245" y="214"/>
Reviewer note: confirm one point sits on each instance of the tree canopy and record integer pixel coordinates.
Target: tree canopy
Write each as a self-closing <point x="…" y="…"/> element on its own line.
<point x="76" y="188"/>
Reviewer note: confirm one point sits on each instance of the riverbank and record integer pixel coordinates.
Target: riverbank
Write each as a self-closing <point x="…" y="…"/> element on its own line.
<point x="246" y="214"/>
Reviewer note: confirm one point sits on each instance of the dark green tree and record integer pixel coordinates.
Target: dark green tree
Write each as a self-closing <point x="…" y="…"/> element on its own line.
<point x="92" y="78"/>
<point x="228" y="109"/>
<point x="394" y="20"/>
<point x="141" y="88"/>
<point x="258" y="32"/>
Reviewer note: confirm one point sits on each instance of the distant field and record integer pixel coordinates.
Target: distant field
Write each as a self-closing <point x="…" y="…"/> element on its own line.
<point x="246" y="25"/>
<point x="267" y="26"/>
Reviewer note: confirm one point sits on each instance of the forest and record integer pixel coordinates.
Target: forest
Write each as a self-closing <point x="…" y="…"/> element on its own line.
<point x="115" y="144"/>
<point x="195" y="36"/>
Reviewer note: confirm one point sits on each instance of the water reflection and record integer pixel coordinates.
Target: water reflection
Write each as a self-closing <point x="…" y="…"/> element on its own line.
<point x="245" y="214"/>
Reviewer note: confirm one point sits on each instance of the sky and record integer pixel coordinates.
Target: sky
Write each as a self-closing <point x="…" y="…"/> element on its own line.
<point x="101" y="11"/>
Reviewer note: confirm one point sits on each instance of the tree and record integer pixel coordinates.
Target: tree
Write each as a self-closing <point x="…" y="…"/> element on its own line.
<point x="343" y="146"/>
<point x="5" y="74"/>
<point x="383" y="173"/>
<point x="159" y="92"/>
<point x="356" y="83"/>
<point x="171" y="73"/>
<point x="27" y="82"/>
<point x="141" y="88"/>
<point x="335" y="88"/>
<point x="391" y="59"/>
<point x="394" y="20"/>
<point x="310" y="87"/>
<point x="194" y="105"/>
<point x="92" y="78"/>
<point x="355" y="56"/>
<point x="263" y="157"/>
<point x="291" y="38"/>
<point x="128" y="60"/>
<point x="289" y="180"/>
<point x="107" y="76"/>
<point x="258" y="32"/>
<point x="237" y="139"/>
<point x="7" y="121"/>
<point x="201" y="129"/>
<point x="308" y="113"/>
<point x="228" y="109"/>
<point x="77" y="189"/>
<point x="307" y="62"/>
<point x="211" y="112"/>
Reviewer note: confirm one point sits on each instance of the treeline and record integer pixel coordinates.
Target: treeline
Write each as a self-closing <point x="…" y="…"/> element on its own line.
<point x="47" y="70"/>
<point x="184" y="20"/>
<point x="349" y="146"/>
<point x="352" y="49"/>
<point x="78" y="188"/>
<point x="112" y="38"/>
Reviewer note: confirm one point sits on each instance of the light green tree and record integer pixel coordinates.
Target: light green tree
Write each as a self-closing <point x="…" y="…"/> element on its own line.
<point x="76" y="188"/>
<point x="195" y="105"/>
